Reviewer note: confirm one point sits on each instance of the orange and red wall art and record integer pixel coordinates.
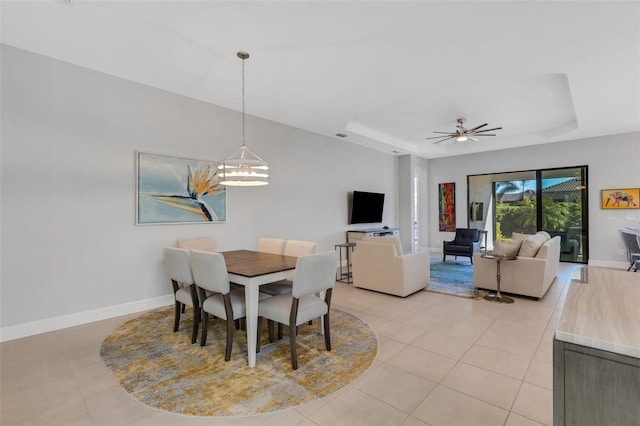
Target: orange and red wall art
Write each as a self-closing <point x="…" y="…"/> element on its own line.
<point x="447" y="206"/>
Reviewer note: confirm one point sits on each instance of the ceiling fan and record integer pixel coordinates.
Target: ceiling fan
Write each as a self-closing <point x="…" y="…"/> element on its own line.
<point x="461" y="134"/>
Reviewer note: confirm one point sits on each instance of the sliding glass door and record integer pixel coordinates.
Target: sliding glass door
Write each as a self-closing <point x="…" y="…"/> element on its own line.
<point x="552" y="200"/>
<point x="563" y="210"/>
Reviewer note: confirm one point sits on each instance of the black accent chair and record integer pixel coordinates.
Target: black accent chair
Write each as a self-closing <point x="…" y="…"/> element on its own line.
<point x="466" y="243"/>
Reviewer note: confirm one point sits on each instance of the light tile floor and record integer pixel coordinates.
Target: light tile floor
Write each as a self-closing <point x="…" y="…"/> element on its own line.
<point x="442" y="360"/>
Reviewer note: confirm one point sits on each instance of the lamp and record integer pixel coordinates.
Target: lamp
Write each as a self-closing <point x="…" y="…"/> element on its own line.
<point x="243" y="168"/>
<point x="462" y="138"/>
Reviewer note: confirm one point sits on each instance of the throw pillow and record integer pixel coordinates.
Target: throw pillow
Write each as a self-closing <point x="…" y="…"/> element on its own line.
<point x="545" y="233"/>
<point x="507" y="247"/>
<point x="519" y="236"/>
<point x="531" y="245"/>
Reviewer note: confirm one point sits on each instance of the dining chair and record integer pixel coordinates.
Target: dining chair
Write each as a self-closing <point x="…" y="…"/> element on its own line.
<point x="314" y="274"/>
<point x="204" y="244"/>
<point x="271" y="245"/>
<point x="292" y="248"/>
<point x="176" y="262"/>
<point x="216" y="294"/>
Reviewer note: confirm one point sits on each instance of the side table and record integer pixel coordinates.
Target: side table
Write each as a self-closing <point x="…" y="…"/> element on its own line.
<point x="342" y="276"/>
<point x="498" y="297"/>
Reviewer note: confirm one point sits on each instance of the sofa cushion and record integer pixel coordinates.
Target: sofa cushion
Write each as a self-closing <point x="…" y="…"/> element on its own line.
<point x="507" y="247"/>
<point x="531" y="245"/>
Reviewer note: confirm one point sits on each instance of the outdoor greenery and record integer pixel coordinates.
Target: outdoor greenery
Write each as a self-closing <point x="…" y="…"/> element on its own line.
<point x="521" y="216"/>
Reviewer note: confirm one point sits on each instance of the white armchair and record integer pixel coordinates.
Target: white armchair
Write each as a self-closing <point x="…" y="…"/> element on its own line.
<point x="379" y="264"/>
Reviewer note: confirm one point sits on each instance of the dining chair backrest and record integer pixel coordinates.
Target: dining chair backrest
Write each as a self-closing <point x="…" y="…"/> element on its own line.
<point x="271" y="245"/>
<point x="210" y="271"/>
<point x="176" y="262"/>
<point x="631" y="242"/>
<point x="314" y="273"/>
<point x="204" y="244"/>
<point x="299" y="248"/>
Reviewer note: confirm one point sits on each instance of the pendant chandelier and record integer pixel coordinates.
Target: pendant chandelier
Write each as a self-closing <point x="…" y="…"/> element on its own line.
<point x="244" y="168"/>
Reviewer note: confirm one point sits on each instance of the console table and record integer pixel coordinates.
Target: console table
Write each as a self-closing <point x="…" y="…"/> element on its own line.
<point x="596" y="350"/>
<point x="358" y="234"/>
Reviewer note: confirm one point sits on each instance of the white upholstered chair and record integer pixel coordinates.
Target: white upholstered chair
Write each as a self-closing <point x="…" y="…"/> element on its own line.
<point x="292" y="248"/>
<point x="271" y="245"/>
<point x="176" y="262"/>
<point x="379" y="264"/>
<point x="216" y="295"/>
<point x="314" y="274"/>
<point x="204" y="244"/>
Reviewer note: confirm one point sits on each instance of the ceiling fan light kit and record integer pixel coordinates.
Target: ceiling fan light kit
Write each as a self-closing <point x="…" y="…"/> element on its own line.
<point x="462" y="134"/>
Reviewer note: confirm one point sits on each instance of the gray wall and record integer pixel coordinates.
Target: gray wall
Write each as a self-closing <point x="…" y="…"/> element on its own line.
<point x="614" y="162"/>
<point x="70" y="250"/>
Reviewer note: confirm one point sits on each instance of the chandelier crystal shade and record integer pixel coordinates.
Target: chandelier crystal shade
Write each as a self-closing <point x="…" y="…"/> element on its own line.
<point x="244" y="168"/>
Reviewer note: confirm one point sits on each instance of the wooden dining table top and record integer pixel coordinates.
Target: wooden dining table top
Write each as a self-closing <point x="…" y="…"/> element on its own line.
<point x="249" y="263"/>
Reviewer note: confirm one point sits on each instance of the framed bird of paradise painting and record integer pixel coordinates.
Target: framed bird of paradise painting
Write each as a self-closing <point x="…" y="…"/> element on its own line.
<point x="173" y="190"/>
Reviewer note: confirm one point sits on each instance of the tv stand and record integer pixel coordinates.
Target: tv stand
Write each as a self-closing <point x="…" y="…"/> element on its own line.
<point x="358" y="234"/>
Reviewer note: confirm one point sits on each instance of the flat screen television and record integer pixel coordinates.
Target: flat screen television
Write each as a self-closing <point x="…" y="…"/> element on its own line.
<point x="366" y="207"/>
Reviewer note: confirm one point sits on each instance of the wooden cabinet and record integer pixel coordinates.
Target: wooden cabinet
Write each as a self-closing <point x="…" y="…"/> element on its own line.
<point x="594" y="387"/>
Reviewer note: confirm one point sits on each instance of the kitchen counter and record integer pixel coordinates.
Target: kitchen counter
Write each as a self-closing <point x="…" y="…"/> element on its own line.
<point x="602" y="311"/>
<point x="596" y="351"/>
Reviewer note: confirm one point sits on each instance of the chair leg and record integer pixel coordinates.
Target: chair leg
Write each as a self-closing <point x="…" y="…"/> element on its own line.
<point x="176" y="321"/>
<point x="280" y="327"/>
<point x="183" y="308"/>
<point x="259" y="334"/>
<point x="196" y="322"/>
<point x="270" y="326"/>
<point x="227" y="353"/>
<point x="293" y="331"/>
<point x="327" y="332"/>
<point x="205" y="327"/>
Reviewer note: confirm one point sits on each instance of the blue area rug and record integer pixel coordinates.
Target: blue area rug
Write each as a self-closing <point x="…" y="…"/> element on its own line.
<point x="453" y="277"/>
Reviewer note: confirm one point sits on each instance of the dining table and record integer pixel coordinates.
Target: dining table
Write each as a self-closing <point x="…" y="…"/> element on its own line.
<point x="252" y="269"/>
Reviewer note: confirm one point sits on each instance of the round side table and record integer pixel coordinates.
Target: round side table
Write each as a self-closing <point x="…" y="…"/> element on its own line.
<point x="498" y="297"/>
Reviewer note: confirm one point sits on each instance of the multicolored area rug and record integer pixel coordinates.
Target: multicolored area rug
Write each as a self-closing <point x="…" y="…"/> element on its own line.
<point x="164" y="370"/>
<point x="453" y="277"/>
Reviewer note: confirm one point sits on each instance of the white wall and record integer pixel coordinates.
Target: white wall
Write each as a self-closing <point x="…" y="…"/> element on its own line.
<point x="613" y="161"/>
<point x="70" y="251"/>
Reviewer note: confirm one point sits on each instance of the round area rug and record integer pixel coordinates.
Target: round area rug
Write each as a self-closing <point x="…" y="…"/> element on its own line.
<point x="164" y="370"/>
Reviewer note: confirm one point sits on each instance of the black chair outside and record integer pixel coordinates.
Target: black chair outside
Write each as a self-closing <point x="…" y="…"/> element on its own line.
<point x="465" y="243"/>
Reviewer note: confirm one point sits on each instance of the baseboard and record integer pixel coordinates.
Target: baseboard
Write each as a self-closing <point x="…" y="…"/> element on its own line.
<point x="609" y="264"/>
<point x="57" y="323"/>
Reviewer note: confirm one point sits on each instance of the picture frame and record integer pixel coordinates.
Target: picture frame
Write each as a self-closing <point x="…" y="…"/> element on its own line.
<point x="447" y="207"/>
<point x="178" y="190"/>
<point x="475" y="211"/>
<point x="625" y="198"/>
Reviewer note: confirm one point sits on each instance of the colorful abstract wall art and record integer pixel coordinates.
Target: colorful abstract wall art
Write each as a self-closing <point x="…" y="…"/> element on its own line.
<point x="628" y="198"/>
<point x="178" y="190"/>
<point x="447" y="206"/>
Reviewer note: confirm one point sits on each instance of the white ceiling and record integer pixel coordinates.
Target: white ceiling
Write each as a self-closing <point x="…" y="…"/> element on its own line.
<point x="387" y="74"/>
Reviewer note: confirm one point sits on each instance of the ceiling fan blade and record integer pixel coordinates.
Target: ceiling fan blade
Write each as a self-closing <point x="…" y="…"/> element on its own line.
<point x="439" y="137"/>
<point x="445" y="139"/>
<point x="473" y="139"/>
<point x="446" y="133"/>
<point x="476" y="128"/>
<point x="486" y="134"/>
<point x="489" y="130"/>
